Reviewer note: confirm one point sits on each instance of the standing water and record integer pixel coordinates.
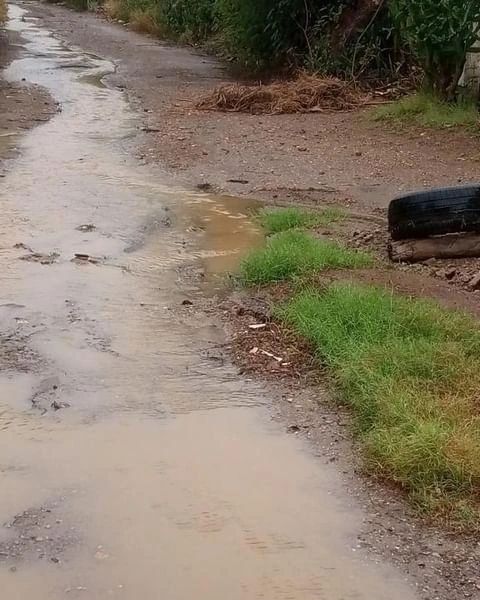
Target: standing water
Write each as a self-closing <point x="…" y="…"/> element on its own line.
<point x="163" y="478"/>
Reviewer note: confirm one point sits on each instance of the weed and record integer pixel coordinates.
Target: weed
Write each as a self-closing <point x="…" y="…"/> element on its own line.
<point x="295" y="253"/>
<point x="276" y="220"/>
<point x="426" y="110"/>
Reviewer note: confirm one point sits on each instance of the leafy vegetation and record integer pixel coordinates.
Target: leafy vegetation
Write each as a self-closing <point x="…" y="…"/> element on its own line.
<point x="439" y="33"/>
<point x="352" y="38"/>
<point x="295" y="253"/>
<point x="187" y="20"/>
<point x="276" y="220"/>
<point x="428" y="110"/>
<point x="326" y="35"/>
<point x="411" y="372"/>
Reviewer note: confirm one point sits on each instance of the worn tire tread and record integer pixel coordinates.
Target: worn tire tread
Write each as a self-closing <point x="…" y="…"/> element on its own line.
<point x="435" y="212"/>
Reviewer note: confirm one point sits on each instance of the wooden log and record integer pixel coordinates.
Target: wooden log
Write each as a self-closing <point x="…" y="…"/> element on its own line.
<point x="447" y="246"/>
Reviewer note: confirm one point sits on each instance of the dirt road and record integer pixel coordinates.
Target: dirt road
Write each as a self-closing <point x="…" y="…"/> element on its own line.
<point x="135" y="462"/>
<point x="342" y="158"/>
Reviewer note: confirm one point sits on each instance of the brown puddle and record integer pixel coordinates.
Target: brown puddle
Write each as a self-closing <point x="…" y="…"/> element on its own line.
<point x="228" y="232"/>
<point x="135" y="462"/>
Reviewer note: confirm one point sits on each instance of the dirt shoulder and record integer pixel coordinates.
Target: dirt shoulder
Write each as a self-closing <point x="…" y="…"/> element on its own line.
<point x="21" y="106"/>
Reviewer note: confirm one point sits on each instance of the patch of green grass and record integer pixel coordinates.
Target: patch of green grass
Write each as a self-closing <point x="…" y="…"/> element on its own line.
<point x="295" y="253"/>
<point x="411" y="373"/>
<point x="276" y="220"/>
<point x="426" y="110"/>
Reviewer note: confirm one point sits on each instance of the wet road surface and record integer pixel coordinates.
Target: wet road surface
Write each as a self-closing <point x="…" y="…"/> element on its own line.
<point x="132" y="464"/>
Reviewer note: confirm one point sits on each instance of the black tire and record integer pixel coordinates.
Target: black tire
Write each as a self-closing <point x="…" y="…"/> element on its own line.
<point x="435" y="212"/>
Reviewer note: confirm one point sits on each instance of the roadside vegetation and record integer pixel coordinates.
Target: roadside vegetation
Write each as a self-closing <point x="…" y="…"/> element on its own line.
<point x="275" y="220"/>
<point x="366" y="42"/>
<point x="409" y="370"/>
<point x="427" y="110"/>
<point x="3" y="12"/>
<point x="294" y="253"/>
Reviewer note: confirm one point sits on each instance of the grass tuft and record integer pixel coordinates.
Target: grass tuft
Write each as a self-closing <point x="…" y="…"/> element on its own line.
<point x="295" y="253"/>
<point x="411" y="373"/>
<point x="426" y="110"/>
<point x="276" y="220"/>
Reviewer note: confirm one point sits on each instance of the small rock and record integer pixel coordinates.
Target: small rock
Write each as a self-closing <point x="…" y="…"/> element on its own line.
<point x="86" y="227"/>
<point x="187" y="302"/>
<point x="293" y="429"/>
<point x="59" y="405"/>
<point x="474" y="283"/>
<point x="204" y="187"/>
<point x="358" y="153"/>
<point x="448" y="273"/>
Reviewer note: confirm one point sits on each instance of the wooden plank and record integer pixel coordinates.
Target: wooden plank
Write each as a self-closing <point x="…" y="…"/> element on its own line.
<point x="447" y="246"/>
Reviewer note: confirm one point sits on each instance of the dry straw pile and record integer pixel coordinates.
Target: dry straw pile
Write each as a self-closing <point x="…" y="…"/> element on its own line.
<point x="306" y="93"/>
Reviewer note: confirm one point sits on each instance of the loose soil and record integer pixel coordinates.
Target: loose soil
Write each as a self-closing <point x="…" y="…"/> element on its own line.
<point x="309" y="159"/>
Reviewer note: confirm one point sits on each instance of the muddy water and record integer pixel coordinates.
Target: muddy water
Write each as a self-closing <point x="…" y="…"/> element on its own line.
<point x="163" y="477"/>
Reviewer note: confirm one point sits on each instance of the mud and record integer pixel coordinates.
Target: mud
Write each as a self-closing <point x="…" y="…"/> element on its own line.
<point x="163" y="470"/>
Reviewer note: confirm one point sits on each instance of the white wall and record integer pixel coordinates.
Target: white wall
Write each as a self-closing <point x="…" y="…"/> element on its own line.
<point x="471" y="74"/>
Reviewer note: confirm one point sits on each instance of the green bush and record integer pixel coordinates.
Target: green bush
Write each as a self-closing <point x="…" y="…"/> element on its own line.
<point x="266" y="33"/>
<point x="262" y="32"/>
<point x="323" y="35"/>
<point x="439" y="33"/>
<point x="192" y="19"/>
<point x="189" y="20"/>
